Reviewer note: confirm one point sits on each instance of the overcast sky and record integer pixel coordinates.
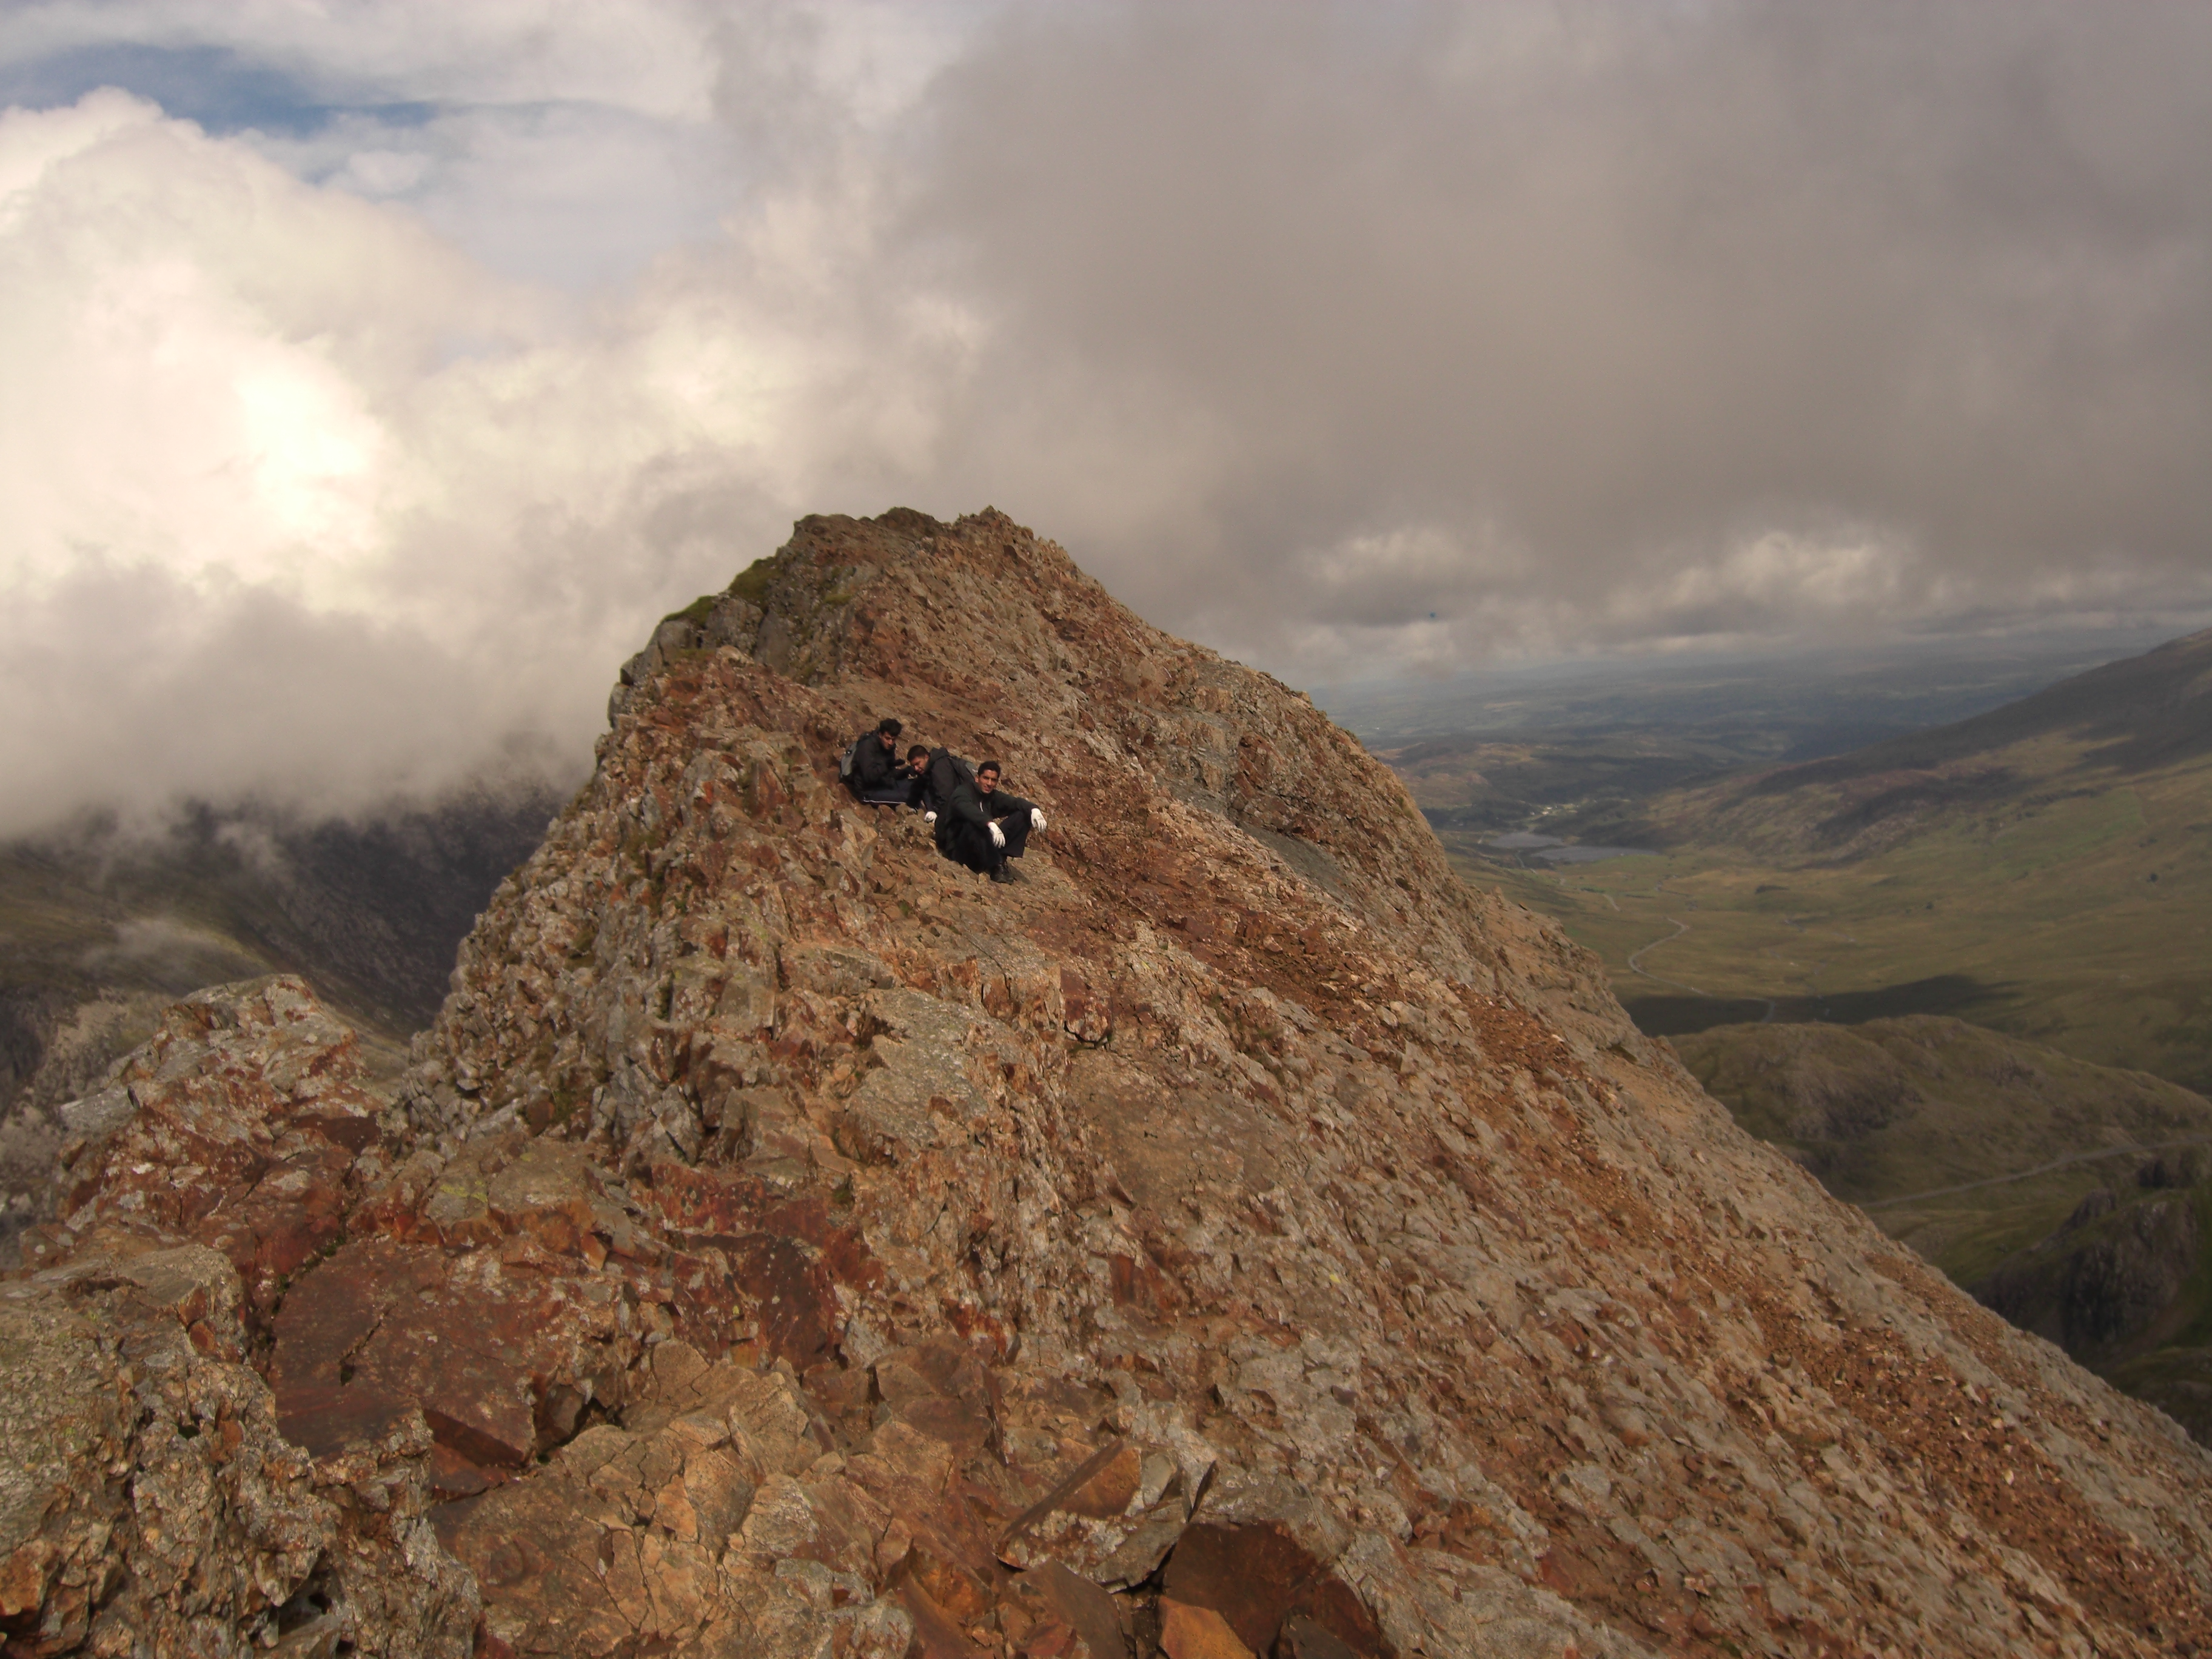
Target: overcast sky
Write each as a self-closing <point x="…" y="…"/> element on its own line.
<point x="375" y="374"/>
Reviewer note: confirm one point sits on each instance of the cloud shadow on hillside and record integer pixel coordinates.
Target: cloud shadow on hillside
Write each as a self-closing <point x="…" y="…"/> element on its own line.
<point x="1957" y="994"/>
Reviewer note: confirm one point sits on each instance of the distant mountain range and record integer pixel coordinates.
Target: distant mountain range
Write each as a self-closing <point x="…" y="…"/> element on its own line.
<point x="1801" y="706"/>
<point x="2115" y="724"/>
<point x="2133" y="715"/>
<point x="101" y="929"/>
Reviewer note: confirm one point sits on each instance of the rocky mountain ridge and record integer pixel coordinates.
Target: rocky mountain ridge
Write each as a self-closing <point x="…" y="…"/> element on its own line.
<point x="1236" y="1237"/>
<point x="102" y="928"/>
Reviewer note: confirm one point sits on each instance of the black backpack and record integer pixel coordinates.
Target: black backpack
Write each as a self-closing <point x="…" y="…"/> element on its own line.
<point x="963" y="770"/>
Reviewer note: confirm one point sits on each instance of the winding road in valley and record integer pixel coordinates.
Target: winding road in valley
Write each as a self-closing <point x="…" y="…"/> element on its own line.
<point x="1636" y="958"/>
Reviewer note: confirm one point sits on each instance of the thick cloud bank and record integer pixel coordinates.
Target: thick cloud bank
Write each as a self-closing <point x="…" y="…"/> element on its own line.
<point x="302" y="504"/>
<point x="1589" y="324"/>
<point x="354" y="431"/>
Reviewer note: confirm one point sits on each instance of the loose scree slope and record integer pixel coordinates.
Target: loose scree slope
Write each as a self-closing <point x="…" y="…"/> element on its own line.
<point x="1238" y="1235"/>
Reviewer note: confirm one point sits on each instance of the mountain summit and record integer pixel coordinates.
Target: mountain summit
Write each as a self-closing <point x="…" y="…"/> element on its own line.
<point x="1236" y="1237"/>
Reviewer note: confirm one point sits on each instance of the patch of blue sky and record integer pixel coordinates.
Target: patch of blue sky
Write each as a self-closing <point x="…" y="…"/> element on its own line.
<point x="224" y="91"/>
<point x="573" y="193"/>
<point x="577" y="194"/>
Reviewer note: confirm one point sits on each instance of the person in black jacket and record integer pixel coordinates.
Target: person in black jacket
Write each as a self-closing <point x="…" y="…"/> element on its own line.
<point x="979" y="824"/>
<point x="878" y="778"/>
<point x="939" y="770"/>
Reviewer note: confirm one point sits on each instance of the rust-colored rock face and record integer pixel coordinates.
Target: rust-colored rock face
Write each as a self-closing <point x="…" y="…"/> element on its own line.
<point x="1234" y="1237"/>
<point x="153" y="1499"/>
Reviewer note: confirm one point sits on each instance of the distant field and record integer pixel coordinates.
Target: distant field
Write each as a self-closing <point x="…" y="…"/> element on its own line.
<point x="1937" y="971"/>
<point x="2078" y="915"/>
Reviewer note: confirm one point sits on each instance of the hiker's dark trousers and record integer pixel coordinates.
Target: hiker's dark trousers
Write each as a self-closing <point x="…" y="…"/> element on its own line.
<point x="899" y="791"/>
<point x="970" y="843"/>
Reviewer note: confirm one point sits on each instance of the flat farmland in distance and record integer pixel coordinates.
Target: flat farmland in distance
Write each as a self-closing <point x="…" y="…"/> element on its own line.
<point x="2072" y="906"/>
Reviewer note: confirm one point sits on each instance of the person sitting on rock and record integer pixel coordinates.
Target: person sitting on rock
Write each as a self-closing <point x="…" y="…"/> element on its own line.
<point x="982" y="827"/>
<point x="876" y="777"/>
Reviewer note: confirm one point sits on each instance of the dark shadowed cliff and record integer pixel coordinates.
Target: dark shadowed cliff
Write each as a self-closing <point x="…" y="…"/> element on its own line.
<point x="1238" y="1236"/>
<point x="102" y="928"/>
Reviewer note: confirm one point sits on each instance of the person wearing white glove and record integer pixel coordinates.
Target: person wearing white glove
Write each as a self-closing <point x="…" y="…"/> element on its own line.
<point x="978" y="825"/>
<point x="939" y="772"/>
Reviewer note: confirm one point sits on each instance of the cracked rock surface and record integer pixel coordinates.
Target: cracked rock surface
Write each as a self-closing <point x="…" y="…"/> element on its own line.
<point x="153" y="1498"/>
<point x="1236" y="1237"/>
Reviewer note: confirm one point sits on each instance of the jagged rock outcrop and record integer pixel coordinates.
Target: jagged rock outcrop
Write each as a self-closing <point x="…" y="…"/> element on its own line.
<point x="2092" y="1285"/>
<point x="105" y="926"/>
<point x="1236" y="1237"/>
<point x="153" y="1498"/>
<point x="2120" y="1286"/>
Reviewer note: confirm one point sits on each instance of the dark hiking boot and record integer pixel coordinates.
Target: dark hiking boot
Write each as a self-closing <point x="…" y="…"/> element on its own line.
<point x="1003" y="876"/>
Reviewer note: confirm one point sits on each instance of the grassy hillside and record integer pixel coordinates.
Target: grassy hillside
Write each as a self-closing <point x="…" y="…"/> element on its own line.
<point x="2041" y="889"/>
<point x="2044" y="869"/>
<point x="2074" y="1199"/>
<point x="1968" y="1145"/>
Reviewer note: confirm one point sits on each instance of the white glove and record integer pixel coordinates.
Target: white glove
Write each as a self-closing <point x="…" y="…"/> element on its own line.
<point x="1036" y="817"/>
<point x="998" y="835"/>
<point x="929" y="818"/>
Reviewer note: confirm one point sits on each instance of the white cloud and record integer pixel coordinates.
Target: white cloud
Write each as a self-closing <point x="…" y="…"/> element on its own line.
<point x="190" y="355"/>
<point x="267" y="531"/>
<point x="371" y="421"/>
<point x="1772" y="577"/>
<point x="650" y="57"/>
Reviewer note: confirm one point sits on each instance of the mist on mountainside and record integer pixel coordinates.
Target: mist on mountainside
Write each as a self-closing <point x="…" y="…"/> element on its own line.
<point x="103" y="925"/>
<point x="368" y="907"/>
